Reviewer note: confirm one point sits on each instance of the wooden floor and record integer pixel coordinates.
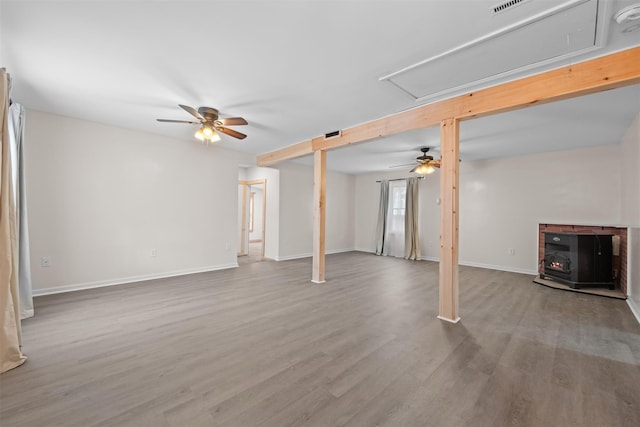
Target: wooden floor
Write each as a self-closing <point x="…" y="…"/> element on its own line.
<point x="254" y="254"/>
<point x="262" y="346"/>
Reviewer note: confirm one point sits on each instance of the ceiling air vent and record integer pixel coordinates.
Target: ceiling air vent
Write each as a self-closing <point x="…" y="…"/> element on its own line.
<point x="332" y="134"/>
<point x="507" y="5"/>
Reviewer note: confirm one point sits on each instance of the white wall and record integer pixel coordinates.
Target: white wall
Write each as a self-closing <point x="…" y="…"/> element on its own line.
<point x="630" y="148"/>
<point x="102" y="198"/>
<point x="239" y="234"/>
<point x="503" y="200"/>
<point x="242" y="176"/>
<point x="296" y="211"/>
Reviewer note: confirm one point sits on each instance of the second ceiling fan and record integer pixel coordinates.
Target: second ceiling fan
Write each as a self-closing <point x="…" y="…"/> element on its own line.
<point x="426" y="164"/>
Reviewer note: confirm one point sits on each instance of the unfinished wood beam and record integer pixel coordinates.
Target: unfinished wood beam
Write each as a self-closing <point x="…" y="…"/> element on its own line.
<point x="291" y="152"/>
<point x="252" y="181"/>
<point x="416" y="118"/>
<point x="449" y="196"/>
<point x="594" y="75"/>
<point x="319" y="211"/>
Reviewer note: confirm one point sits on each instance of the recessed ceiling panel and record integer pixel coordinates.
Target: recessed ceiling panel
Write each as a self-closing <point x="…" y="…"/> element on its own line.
<point x="555" y="33"/>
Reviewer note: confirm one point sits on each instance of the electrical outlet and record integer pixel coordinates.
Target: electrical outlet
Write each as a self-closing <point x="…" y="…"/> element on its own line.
<point x="45" y="261"/>
<point x="154" y="253"/>
<point x="511" y="251"/>
<point x="228" y="246"/>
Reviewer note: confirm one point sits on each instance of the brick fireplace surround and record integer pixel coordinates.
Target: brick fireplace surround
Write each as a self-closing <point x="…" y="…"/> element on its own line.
<point x="619" y="262"/>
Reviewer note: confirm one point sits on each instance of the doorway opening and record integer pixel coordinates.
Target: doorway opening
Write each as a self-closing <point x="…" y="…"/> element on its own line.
<point x="252" y="194"/>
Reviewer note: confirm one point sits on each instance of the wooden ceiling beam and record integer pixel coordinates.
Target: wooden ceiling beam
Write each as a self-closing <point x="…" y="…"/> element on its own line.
<point x="291" y="152"/>
<point x="594" y="75"/>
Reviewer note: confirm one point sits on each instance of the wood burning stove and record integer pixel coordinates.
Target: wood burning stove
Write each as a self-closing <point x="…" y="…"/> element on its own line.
<point x="579" y="260"/>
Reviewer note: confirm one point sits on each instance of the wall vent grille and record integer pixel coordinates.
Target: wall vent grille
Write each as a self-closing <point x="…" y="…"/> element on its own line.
<point x="332" y="134"/>
<point x="506" y="5"/>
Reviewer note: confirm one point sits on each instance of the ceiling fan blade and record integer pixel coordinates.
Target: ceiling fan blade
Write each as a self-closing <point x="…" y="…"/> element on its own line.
<point x="177" y="121"/>
<point x="233" y="121"/>
<point x="191" y="111"/>
<point x="231" y="132"/>
<point x="402" y="166"/>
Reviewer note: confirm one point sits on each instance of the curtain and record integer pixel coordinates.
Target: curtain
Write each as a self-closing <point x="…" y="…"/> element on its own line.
<point x="16" y="144"/>
<point x="382" y="216"/>
<point x="10" y="333"/>
<point x="394" y="231"/>
<point x="412" y="241"/>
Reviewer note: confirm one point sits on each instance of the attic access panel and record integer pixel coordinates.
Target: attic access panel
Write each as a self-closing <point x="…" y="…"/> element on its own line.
<point x="553" y="34"/>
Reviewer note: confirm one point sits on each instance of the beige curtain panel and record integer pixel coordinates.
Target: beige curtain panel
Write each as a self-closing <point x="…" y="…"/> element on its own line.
<point x="411" y="218"/>
<point x="382" y="216"/>
<point x="10" y="334"/>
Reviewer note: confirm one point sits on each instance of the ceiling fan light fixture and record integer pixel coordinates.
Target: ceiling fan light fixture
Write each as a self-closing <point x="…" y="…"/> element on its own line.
<point x="214" y="137"/>
<point x="424" y="169"/>
<point x="207" y="134"/>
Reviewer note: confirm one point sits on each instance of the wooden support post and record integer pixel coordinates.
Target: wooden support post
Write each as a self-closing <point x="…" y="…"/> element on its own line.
<point x="449" y="178"/>
<point x="319" y="197"/>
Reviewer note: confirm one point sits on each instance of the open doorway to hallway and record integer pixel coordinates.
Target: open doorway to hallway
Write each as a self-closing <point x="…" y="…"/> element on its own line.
<point x="258" y="214"/>
<point x="252" y="219"/>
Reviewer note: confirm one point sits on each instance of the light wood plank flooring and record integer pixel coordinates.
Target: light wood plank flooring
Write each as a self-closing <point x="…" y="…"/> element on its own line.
<point x="262" y="346"/>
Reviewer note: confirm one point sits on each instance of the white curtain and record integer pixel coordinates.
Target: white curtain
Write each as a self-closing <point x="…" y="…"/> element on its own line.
<point x="16" y="147"/>
<point x="394" y="232"/>
<point x="411" y="219"/>
<point x="10" y="331"/>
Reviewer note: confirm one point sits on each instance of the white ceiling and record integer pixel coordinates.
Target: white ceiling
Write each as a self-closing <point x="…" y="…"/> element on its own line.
<point x="296" y="70"/>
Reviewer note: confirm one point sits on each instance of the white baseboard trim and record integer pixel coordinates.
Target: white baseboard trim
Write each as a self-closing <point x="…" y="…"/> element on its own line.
<point x="500" y="267"/>
<point x="290" y="257"/>
<point x="369" y="251"/>
<point x="488" y="266"/>
<point x="634" y="308"/>
<point x="131" y="279"/>
<point x="310" y="254"/>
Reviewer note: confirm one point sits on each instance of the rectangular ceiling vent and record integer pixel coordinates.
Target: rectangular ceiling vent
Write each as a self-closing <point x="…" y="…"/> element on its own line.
<point x="332" y="134"/>
<point x="507" y="5"/>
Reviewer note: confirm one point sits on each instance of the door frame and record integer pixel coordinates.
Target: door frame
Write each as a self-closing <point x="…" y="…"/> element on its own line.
<point x="246" y="189"/>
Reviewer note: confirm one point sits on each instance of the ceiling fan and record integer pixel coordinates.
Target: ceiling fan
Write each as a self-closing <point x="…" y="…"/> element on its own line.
<point x="426" y="164"/>
<point x="210" y="123"/>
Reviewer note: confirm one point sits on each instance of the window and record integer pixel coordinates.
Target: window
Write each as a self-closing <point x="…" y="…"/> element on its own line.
<point x="398" y="197"/>
<point x="394" y="240"/>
